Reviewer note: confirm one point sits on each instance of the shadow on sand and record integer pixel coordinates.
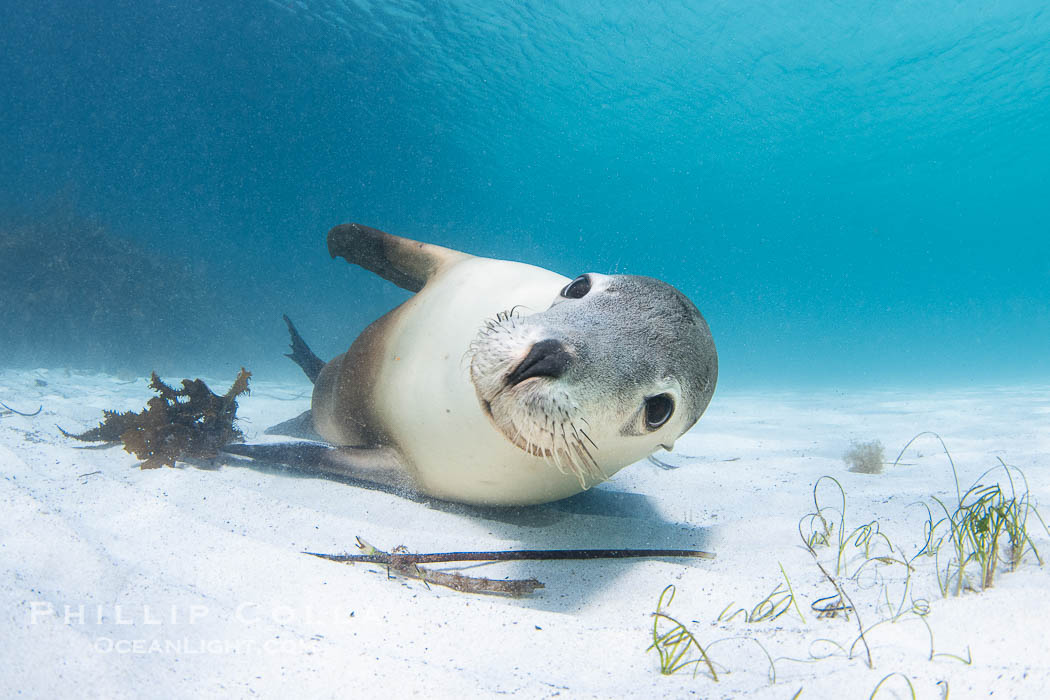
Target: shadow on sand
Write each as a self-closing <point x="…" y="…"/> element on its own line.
<point x="600" y="518"/>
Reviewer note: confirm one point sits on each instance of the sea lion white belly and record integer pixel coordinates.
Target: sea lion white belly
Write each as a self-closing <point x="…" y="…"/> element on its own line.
<point x="479" y="389"/>
<point x="427" y="399"/>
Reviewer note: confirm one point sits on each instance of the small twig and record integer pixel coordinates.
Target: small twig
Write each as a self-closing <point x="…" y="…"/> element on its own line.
<point x="407" y="564"/>
<point x="27" y="415"/>
<point x="662" y="464"/>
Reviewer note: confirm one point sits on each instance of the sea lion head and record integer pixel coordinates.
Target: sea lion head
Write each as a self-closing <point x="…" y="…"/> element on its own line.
<point x="617" y="367"/>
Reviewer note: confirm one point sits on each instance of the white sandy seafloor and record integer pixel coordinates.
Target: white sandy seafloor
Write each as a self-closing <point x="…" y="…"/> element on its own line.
<point x="191" y="582"/>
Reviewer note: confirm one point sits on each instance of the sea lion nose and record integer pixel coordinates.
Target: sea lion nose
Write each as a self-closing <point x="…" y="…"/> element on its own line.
<point x="547" y="358"/>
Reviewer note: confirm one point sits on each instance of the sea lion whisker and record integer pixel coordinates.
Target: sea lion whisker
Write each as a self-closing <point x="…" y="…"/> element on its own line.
<point x="583" y="447"/>
<point x="584" y="433"/>
<point x="579" y="467"/>
<point x="592" y="467"/>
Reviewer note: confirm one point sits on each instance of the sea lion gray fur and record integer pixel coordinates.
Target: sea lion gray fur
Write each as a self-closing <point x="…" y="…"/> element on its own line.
<point x="502" y="383"/>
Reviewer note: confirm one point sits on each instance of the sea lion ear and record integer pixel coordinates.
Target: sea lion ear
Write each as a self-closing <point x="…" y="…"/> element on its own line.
<point x="406" y="263"/>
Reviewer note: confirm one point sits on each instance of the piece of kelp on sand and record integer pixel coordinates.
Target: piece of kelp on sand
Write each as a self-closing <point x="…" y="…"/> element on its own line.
<point x="191" y="422"/>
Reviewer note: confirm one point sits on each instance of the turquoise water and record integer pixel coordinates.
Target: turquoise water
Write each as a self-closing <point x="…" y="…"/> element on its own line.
<point x="854" y="194"/>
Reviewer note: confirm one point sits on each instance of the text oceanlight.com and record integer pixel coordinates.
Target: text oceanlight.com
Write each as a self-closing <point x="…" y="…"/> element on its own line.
<point x="189" y="646"/>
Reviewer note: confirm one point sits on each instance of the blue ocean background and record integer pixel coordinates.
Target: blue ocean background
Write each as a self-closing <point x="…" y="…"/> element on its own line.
<point x="854" y="194"/>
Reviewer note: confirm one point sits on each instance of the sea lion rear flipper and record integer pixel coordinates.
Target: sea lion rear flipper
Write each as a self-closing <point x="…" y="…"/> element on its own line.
<point x="379" y="466"/>
<point x="301" y="353"/>
<point x="406" y="263"/>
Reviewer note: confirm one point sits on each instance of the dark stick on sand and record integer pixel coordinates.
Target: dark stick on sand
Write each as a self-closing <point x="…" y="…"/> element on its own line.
<point x="516" y="555"/>
<point x="407" y="564"/>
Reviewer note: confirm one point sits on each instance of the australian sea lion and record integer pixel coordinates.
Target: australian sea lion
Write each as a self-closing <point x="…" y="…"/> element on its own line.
<point x="502" y="383"/>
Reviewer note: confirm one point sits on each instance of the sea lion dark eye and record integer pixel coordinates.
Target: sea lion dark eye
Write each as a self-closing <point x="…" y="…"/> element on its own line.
<point x="578" y="288"/>
<point x="658" y="410"/>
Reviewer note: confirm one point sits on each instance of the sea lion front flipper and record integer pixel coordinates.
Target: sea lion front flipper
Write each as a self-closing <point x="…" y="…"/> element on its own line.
<point x="406" y="263"/>
<point x="302" y="426"/>
<point x="379" y="466"/>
